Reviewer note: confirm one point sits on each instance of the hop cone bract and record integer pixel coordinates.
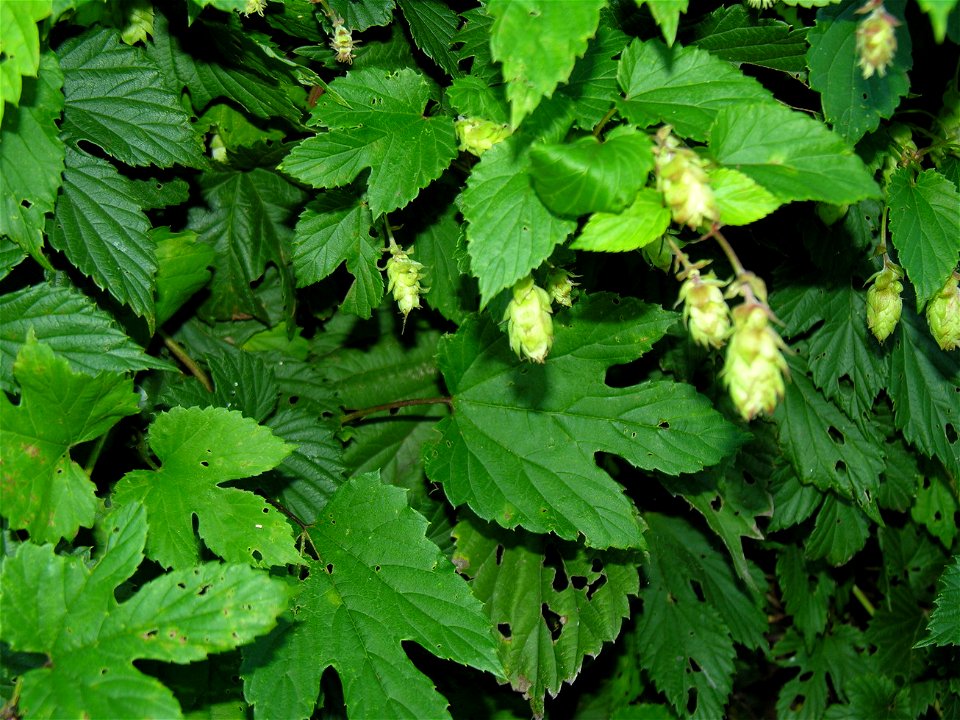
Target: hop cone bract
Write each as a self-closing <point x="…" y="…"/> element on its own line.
<point x="529" y="325"/>
<point x="943" y="315"/>
<point x="755" y="366"/>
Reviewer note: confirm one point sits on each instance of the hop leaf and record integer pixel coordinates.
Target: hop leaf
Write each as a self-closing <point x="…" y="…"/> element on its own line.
<point x="704" y="310"/>
<point x="529" y="324"/>
<point x="884" y="304"/>
<point x="755" y="366"/>
<point x="876" y="41"/>
<point x="477" y="135"/>
<point x="683" y="181"/>
<point x="403" y="280"/>
<point x="943" y="315"/>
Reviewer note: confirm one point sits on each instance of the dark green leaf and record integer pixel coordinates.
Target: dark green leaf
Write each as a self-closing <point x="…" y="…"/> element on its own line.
<point x="944" y="628"/>
<point x="593" y="83"/>
<point x="840" y="532"/>
<point x="433" y="26"/>
<point x="183" y="269"/>
<point x="441" y="247"/>
<point x="806" y="593"/>
<point x="736" y="35"/>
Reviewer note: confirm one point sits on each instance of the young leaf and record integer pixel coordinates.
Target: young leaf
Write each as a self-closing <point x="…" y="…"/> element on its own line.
<point x="519" y="447"/>
<point x="735" y="35"/>
<point x="117" y="99"/>
<point x="790" y="154"/>
<point x="102" y="230"/>
<point x="924" y="386"/>
<point x="72" y="326"/>
<point x="586" y="175"/>
<point x="924" y="218"/>
<point x="20" y="41"/>
<point x="375" y="120"/>
<point x="692" y="591"/>
<point x="939" y="11"/>
<point x="645" y="220"/>
<point x="740" y="200"/>
<point x="199" y="449"/>
<point x="28" y="190"/>
<point x="944" y="627"/>
<point x="503" y="210"/>
<point x="556" y="34"/>
<point x="183" y="269"/>
<point x="42" y="490"/>
<point x="66" y="608"/>
<point x="684" y="87"/>
<point x="854" y="105"/>
<point x="550" y="615"/>
<point x="359" y="602"/>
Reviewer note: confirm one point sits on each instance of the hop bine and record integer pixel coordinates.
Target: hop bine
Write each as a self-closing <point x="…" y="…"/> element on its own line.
<point x="943" y="314"/>
<point x="755" y="367"/>
<point x="884" y="304"/>
<point x="529" y="325"/>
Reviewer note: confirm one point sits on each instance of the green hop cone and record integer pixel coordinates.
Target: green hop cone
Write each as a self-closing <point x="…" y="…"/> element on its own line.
<point x="705" y="312"/>
<point x="876" y="40"/>
<point x="754" y="367"/>
<point x="683" y="182"/>
<point x="529" y="325"/>
<point x="477" y="135"/>
<point x="943" y="314"/>
<point x="560" y="286"/>
<point x="403" y="280"/>
<point x="254" y="6"/>
<point x="884" y="304"/>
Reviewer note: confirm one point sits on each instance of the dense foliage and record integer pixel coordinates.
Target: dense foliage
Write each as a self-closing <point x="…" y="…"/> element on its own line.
<point x="403" y="358"/>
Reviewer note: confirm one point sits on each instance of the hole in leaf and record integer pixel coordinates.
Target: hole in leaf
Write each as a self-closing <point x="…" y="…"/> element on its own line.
<point x="597" y="565"/>
<point x="840" y="467"/>
<point x="579" y="582"/>
<point x="806" y="677"/>
<point x="376" y="568"/>
<point x="26" y="203"/>
<point x="835" y="435"/>
<point x="504" y="629"/>
<point x="692" y="701"/>
<point x="663" y="425"/>
<point x="499" y="554"/>
<point x="329" y="568"/>
<point x="203" y="590"/>
<point x="552" y="559"/>
<point x="293" y="399"/>
<point x="951" y="432"/>
<point x="257" y="556"/>
<point x="716" y="503"/>
<point x="149" y="634"/>
<point x="182" y="586"/>
<point x="304" y="573"/>
<point x="204" y="463"/>
<point x="104" y="671"/>
<point x="697" y="590"/>
<point x="554" y="621"/>
<point x="694" y="666"/>
<point x="596" y="585"/>
<point x="796" y="705"/>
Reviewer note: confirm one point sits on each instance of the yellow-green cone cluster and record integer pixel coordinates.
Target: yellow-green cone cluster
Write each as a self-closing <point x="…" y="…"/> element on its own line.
<point x="254" y="6"/>
<point x="943" y="314"/>
<point x="477" y="135"/>
<point x="755" y="366"/>
<point x="529" y="325"/>
<point x="761" y="4"/>
<point x="683" y="182"/>
<point x="705" y="312"/>
<point x="403" y="280"/>
<point x="560" y="286"/>
<point x="876" y="40"/>
<point x="343" y="43"/>
<point x="884" y="304"/>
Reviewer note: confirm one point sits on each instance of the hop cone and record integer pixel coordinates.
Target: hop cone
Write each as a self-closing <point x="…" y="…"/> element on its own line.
<point x="754" y="367"/>
<point x="403" y="280"/>
<point x="943" y="315"/>
<point x="683" y="182"/>
<point x="884" y="304"/>
<point x="476" y="135"/>
<point x="704" y="310"/>
<point x="876" y="42"/>
<point x="560" y="286"/>
<point x="529" y="325"/>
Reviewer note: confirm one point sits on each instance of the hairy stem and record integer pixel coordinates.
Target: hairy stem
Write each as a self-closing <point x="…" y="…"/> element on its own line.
<point x="363" y="412"/>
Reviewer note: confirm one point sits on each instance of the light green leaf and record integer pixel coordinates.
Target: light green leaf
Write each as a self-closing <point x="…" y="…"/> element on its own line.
<point x="11" y="255"/>
<point x="684" y="87"/>
<point x="362" y="14"/>
<point x="840" y="531"/>
<point x="944" y="627"/>
<point x="433" y="26"/>
<point x="66" y="608"/>
<point x="667" y="14"/>
<point x="72" y="326"/>
<point x="116" y="98"/>
<point x="509" y="230"/>
<point x="103" y="232"/>
<point x="735" y="35"/>
<point x="359" y="602"/>
<point x="519" y="448"/>
<point x="19" y="45"/>
<point x="588" y="175"/>
<point x="473" y="39"/>
<point x="28" y="190"/>
<point x="790" y="154"/>
<point x="549" y="616"/>
<point x="925" y="228"/>
<point x="923" y="386"/>
<point x="538" y="42"/>
<point x="378" y="123"/>
<point x="247" y="225"/>
<point x="42" y="490"/>
<point x="640" y="224"/>
<point x="740" y="200"/>
<point x="825" y="447"/>
<point x="199" y="449"/>
<point x="938" y="11"/>
<point x="234" y="129"/>
<point x="183" y="269"/>
<point x="854" y="105"/>
<point x="693" y="591"/>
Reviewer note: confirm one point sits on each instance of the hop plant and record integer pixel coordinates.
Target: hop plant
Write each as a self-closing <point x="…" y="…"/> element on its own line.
<point x="560" y="286"/>
<point x="254" y="6"/>
<point x="529" y="325"/>
<point x="943" y="314"/>
<point x="761" y="4"/>
<point x="477" y="135"/>
<point x="683" y="181"/>
<point x="343" y="43"/>
<point x="705" y="312"/>
<point x="403" y="280"/>
<point x="884" y="304"/>
<point x="754" y="368"/>
<point x="876" y="39"/>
